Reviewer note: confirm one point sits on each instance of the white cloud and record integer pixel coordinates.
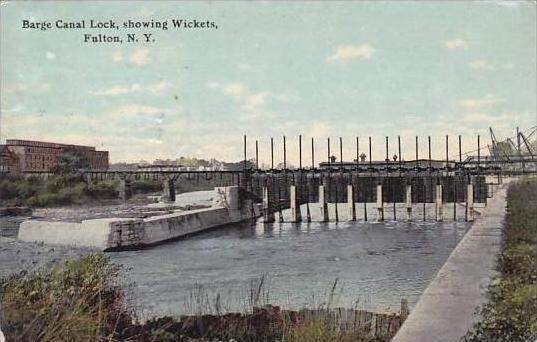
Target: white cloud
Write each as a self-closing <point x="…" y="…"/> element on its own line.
<point x="486" y="100"/>
<point x="481" y="64"/>
<point x="473" y="118"/>
<point x="117" y="90"/>
<point x="252" y="104"/>
<point x="27" y="87"/>
<point x="456" y="44"/>
<point x="15" y="109"/>
<point x="508" y="3"/>
<point x="50" y="55"/>
<point x="255" y="100"/>
<point x="348" y="52"/>
<point x="140" y="57"/>
<point x="212" y="85"/>
<point x="133" y="109"/>
<point x="157" y="88"/>
<point x="235" y="89"/>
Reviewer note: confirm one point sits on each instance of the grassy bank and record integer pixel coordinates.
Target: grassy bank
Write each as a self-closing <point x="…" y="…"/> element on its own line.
<point x="81" y="300"/>
<point x="511" y="314"/>
<point x="63" y="189"/>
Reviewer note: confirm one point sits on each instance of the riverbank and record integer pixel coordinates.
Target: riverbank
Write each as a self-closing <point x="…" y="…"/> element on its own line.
<point x="81" y="300"/>
<point x="511" y="311"/>
<point x="65" y="189"/>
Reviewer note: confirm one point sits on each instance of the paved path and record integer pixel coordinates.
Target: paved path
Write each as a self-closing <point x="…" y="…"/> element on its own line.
<point x="445" y="311"/>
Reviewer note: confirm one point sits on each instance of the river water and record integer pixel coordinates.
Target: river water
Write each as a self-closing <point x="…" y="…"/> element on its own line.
<point x="375" y="265"/>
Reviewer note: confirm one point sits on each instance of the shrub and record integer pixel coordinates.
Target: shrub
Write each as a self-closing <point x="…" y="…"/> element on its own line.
<point x="146" y="186"/>
<point x="78" y="300"/>
<point x="101" y="190"/>
<point x="511" y="314"/>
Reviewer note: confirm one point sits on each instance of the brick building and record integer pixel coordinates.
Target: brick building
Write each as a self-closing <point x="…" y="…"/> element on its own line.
<point x="38" y="156"/>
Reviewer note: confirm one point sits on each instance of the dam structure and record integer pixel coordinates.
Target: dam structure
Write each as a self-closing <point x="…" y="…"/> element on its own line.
<point x="332" y="191"/>
<point x="230" y="205"/>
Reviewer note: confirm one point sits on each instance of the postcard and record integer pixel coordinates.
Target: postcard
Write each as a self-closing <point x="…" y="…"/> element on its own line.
<point x="295" y="171"/>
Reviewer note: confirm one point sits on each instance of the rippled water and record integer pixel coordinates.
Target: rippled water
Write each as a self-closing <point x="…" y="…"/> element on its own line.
<point x="376" y="264"/>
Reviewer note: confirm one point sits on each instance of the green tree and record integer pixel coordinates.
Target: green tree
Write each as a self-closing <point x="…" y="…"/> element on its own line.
<point x="71" y="163"/>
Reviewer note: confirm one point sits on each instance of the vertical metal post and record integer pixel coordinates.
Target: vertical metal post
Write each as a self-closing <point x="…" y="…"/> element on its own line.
<point x="430" y="162"/>
<point x="447" y="150"/>
<point x="417" y="152"/>
<point x="245" y="152"/>
<point x="341" y="151"/>
<point x="399" y="153"/>
<point x="478" y="152"/>
<point x="312" y="154"/>
<point x="357" y="153"/>
<point x="272" y="153"/>
<point x="460" y="150"/>
<point x="284" y="154"/>
<point x="328" y="153"/>
<point x="387" y="156"/>
<point x="300" y="152"/>
<point x="257" y="155"/>
<point x="370" y="157"/>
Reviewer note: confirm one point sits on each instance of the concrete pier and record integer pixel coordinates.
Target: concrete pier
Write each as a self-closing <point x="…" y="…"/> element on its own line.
<point x="350" y="202"/>
<point x="323" y="205"/>
<point x="168" y="190"/>
<point x="470" y="202"/>
<point x="439" y="203"/>
<point x="296" y="216"/>
<point x="125" y="191"/>
<point x="380" y="203"/>
<point x="409" y="202"/>
<point x="268" y="212"/>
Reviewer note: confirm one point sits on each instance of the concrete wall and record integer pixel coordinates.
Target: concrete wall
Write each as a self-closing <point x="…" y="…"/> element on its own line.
<point x="89" y="233"/>
<point x="446" y="310"/>
<point x="230" y="206"/>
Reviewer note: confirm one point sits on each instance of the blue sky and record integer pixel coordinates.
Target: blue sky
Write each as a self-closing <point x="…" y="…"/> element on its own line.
<point x="270" y="69"/>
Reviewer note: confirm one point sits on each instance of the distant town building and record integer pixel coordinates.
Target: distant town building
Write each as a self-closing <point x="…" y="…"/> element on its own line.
<point x="37" y="156"/>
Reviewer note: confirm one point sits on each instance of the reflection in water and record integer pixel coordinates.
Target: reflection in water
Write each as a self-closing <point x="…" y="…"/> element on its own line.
<point x="376" y="264"/>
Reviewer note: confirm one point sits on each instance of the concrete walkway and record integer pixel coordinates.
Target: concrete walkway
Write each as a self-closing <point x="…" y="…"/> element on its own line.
<point x="446" y="310"/>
